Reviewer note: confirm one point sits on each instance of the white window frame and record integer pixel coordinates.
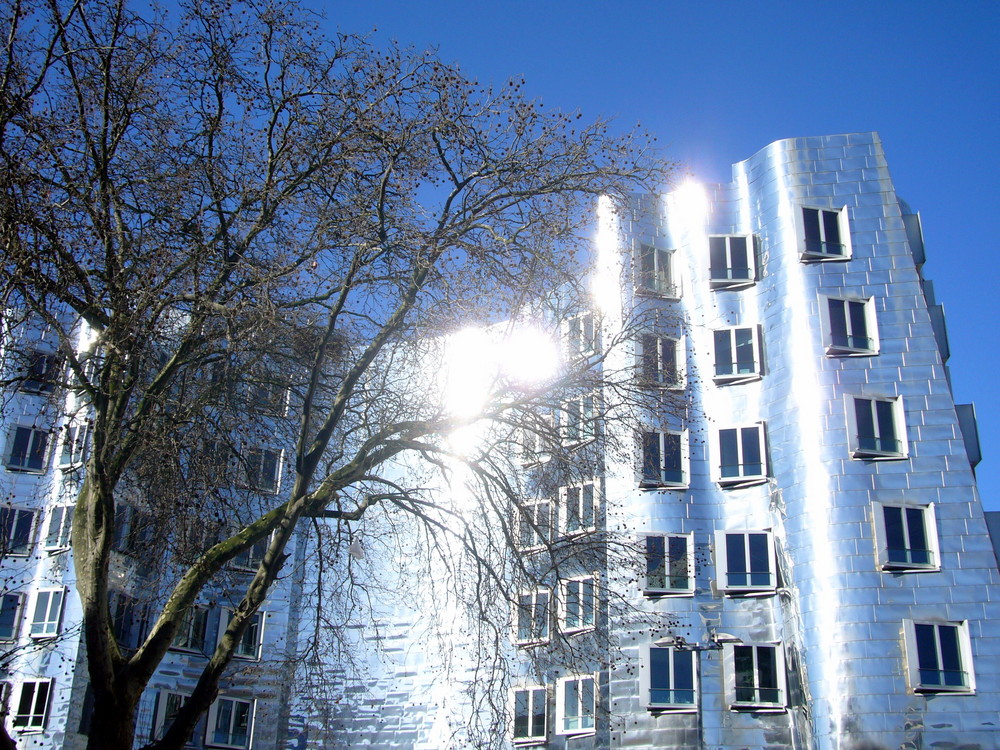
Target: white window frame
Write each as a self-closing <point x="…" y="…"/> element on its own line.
<point x="849" y="348"/>
<point x="582" y="334"/>
<point x="17" y="516"/>
<point x="814" y="254"/>
<point x="75" y="446"/>
<point x="192" y="634"/>
<point x="253" y="636"/>
<point x="916" y="675"/>
<point x="728" y="281"/>
<point x="652" y="587"/>
<point x="753" y="585"/>
<point x="733" y="376"/>
<point x="929" y="522"/>
<point x="663" y="280"/>
<point x="17" y="600"/>
<point x="581" y="721"/>
<point x="588" y="611"/>
<point x="872" y="447"/>
<point x="266" y="394"/>
<point x="573" y="504"/>
<point x="675" y="702"/>
<point x="254" y="477"/>
<point x="579" y="418"/>
<point x="650" y="368"/>
<point x="536" y="441"/>
<point x="533" y="735"/>
<point x="37" y="715"/>
<point x="213" y="719"/>
<point x="36" y="436"/>
<point x="663" y="481"/>
<point x="735" y="698"/>
<point x="58" y="527"/>
<point x="46" y="612"/>
<point x="164" y="716"/>
<point x="534" y="611"/>
<point x="529" y="522"/>
<point x="745" y="477"/>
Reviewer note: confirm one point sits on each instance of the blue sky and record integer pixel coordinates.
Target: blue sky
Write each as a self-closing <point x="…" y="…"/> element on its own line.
<point x="717" y="81"/>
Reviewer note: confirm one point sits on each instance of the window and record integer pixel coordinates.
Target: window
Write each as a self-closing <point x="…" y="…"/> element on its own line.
<point x="32" y="705"/>
<point x="849" y="326"/>
<point x="537" y="436"/>
<point x="267" y="394"/>
<point x="530" y="714"/>
<point x="654" y="273"/>
<point x="661" y="361"/>
<point x="534" y="524"/>
<point x="533" y="617"/>
<point x="742" y="456"/>
<point x="583" y="336"/>
<point x="47" y="614"/>
<point x="906" y="537"/>
<point x="76" y="446"/>
<point x="737" y="355"/>
<point x="251" y="558"/>
<point x="579" y="508"/>
<point x="41" y="372"/>
<point x="168" y="705"/>
<point x="230" y="723"/>
<point x="576" y="702"/>
<point x="190" y="636"/>
<point x="877" y="428"/>
<point x="249" y="644"/>
<point x="263" y="469"/>
<point x="26" y="449"/>
<point x="16" y="526"/>
<point x="59" y="528"/>
<point x="758" y="677"/>
<point x="664" y="459"/>
<point x="580" y="419"/>
<point x="939" y="657"/>
<point x="670" y="680"/>
<point x="669" y="564"/>
<point x="128" y="620"/>
<point x="731" y="259"/>
<point x="579" y="602"/>
<point x="745" y="561"/>
<point x="10" y="615"/>
<point x="825" y="234"/>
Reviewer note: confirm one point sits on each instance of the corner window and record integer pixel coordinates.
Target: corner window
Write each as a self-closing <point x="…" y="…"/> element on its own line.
<point x="661" y="361"/>
<point x="533" y="617"/>
<point x="746" y="562"/>
<point x="583" y="336"/>
<point x="669" y="565"/>
<point x="758" y="677"/>
<point x="534" y="524"/>
<point x="190" y="636"/>
<point x="849" y="328"/>
<point x="654" y="273"/>
<point x="32" y="705"/>
<point x="530" y="715"/>
<point x="16" y="527"/>
<point x="906" y="537"/>
<point x="671" y="680"/>
<point x="939" y="657"/>
<point x="263" y="469"/>
<point x="76" y="446"/>
<point x="41" y="372"/>
<point x="168" y="705"/>
<point x="731" y="261"/>
<point x="664" y="460"/>
<point x="742" y="456"/>
<point x="877" y="428"/>
<point x="249" y="644"/>
<point x="26" y="449"/>
<point x="230" y="722"/>
<point x="10" y="615"/>
<point x="579" y="604"/>
<point x="576" y="705"/>
<point x="824" y="234"/>
<point x="48" y="613"/>
<point x="579" y="416"/>
<point x="579" y="506"/>
<point x="737" y="355"/>
<point x="59" y="527"/>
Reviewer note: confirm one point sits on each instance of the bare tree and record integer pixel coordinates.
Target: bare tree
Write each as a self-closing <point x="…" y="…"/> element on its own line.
<point x="200" y="204"/>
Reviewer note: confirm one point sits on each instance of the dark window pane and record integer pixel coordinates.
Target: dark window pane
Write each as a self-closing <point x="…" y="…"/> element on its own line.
<point x="655" y="562"/>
